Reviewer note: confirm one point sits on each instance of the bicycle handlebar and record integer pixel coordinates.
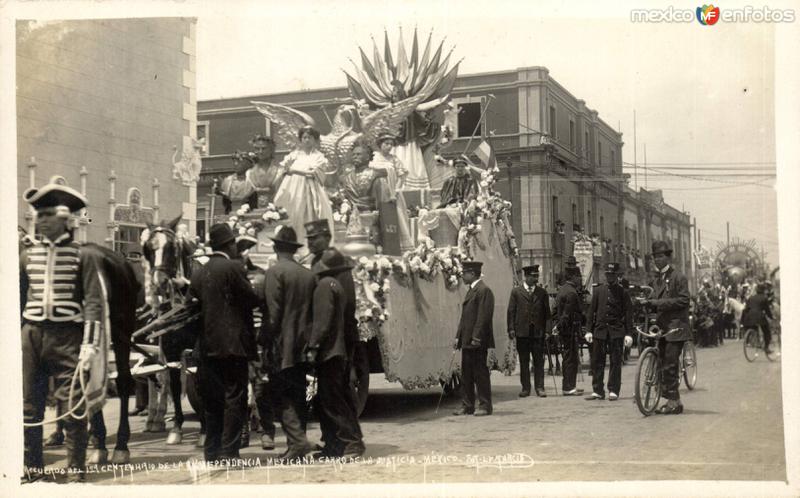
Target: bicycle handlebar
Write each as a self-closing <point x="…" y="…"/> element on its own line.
<point x="655" y="335"/>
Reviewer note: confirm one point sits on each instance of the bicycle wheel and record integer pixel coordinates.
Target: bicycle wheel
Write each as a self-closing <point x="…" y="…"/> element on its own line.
<point x="689" y="364"/>
<point x="648" y="388"/>
<point x="752" y="344"/>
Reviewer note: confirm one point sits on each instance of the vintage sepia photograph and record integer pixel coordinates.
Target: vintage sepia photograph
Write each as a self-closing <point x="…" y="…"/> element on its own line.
<point x="413" y="248"/>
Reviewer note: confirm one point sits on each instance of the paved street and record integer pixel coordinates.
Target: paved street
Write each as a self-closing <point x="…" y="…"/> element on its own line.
<point x="732" y="428"/>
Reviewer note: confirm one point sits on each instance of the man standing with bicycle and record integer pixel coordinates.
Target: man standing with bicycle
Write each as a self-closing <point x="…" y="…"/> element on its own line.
<point x="670" y="302"/>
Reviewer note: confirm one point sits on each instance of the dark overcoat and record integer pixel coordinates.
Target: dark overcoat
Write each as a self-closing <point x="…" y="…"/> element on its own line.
<point x="619" y="323"/>
<point x="476" y="318"/>
<point x="670" y="300"/>
<point x="526" y="308"/>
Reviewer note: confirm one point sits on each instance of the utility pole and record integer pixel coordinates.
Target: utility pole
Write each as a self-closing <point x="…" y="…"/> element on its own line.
<point x="728" y="232"/>
<point x="635" y="169"/>
<point x="645" y="166"/>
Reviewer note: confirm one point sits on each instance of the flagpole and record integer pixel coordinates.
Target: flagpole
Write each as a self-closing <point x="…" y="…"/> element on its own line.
<point x="489" y="99"/>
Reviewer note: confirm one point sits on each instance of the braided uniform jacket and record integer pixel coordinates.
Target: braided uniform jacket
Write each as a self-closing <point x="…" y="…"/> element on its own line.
<point x="59" y="282"/>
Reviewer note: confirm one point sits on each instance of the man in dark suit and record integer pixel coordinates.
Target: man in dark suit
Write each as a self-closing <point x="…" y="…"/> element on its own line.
<point x="459" y="188"/>
<point x="756" y="312"/>
<point x="327" y="347"/>
<point x="475" y="337"/>
<point x="670" y="301"/>
<point x="288" y="290"/>
<point x="226" y="343"/>
<point x="567" y="328"/>
<point x="528" y="310"/>
<point x="610" y="328"/>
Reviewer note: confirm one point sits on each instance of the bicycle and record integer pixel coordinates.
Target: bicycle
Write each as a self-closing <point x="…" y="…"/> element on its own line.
<point x="647" y="392"/>
<point x="754" y="343"/>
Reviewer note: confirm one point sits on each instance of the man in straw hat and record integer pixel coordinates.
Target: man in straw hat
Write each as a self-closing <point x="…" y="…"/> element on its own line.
<point x="289" y="288"/>
<point x="226" y="343"/>
<point x="569" y="322"/>
<point x="475" y="337"/>
<point x="528" y="311"/>
<point x="670" y="301"/>
<point x="327" y="348"/>
<point x="610" y="328"/>
<point x="62" y="317"/>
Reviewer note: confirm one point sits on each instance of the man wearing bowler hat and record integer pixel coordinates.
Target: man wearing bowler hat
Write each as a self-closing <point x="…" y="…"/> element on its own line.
<point x="528" y="310"/>
<point x="62" y="307"/>
<point x="327" y="349"/>
<point x="670" y="301"/>
<point x="289" y="289"/>
<point x="610" y="327"/>
<point x="475" y="336"/>
<point x="226" y="343"/>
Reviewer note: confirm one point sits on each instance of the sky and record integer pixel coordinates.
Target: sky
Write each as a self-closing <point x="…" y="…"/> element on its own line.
<point x="703" y="95"/>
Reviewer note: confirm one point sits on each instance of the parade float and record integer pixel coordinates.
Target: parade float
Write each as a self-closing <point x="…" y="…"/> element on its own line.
<point x="408" y="298"/>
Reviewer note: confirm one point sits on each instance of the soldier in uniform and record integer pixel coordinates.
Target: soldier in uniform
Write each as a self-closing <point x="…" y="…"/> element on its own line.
<point x="62" y="304"/>
<point x="475" y="336"/>
<point x="528" y="311"/>
<point x="610" y="328"/>
<point x="567" y="328"/>
<point x="670" y="301"/>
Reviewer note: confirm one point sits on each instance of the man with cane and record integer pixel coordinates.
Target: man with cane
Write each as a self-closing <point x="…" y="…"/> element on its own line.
<point x="528" y="309"/>
<point x="475" y="337"/>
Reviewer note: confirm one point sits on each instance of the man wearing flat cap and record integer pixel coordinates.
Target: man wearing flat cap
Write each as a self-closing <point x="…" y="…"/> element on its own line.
<point x="610" y="328"/>
<point x="569" y="323"/>
<point x="474" y="338"/>
<point x="327" y="349"/>
<point x="670" y="301"/>
<point x="289" y="290"/>
<point x="528" y="310"/>
<point x="62" y="307"/>
<point x="226" y="343"/>
<point x="458" y="188"/>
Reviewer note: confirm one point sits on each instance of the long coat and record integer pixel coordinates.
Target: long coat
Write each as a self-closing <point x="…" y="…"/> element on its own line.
<point x="526" y="308"/>
<point x="621" y="325"/>
<point x="476" y="318"/>
<point x="756" y="310"/>
<point x="351" y="335"/>
<point x="568" y="309"/>
<point x="327" y="333"/>
<point x="288" y="290"/>
<point x="670" y="300"/>
<point x="227" y="300"/>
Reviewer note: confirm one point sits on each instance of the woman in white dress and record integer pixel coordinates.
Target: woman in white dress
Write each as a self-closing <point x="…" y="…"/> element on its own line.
<point x="302" y="193"/>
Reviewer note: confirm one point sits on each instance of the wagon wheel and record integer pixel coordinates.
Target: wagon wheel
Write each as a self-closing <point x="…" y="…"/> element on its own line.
<point x="359" y="376"/>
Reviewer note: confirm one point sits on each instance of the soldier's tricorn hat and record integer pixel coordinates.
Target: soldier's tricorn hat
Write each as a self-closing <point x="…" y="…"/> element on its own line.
<point x="285" y="236"/>
<point x="245" y="242"/>
<point x="530" y="270"/>
<point x="317" y="227"/>
<point x="613" y="268"/>
<point x="472" y="266"/>
<point x="54" y="195"/>
<point x="570" y="262"/>
<point x="661" y="247"/>
<point x="332" y="262"/>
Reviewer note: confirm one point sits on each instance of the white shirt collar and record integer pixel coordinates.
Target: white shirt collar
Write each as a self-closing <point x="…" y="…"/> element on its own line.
<point x="61" y="237"/>
<point x="473" y="284"/>
<point x="664" y="270"/>
<point x="220" y="253"/>
<point x="528" y="287"/>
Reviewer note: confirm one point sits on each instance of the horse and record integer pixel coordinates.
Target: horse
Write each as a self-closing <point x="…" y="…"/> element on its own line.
<point x="122" y="289"/>
<point x="168" y="266"/>
<point x="734" y="307"/>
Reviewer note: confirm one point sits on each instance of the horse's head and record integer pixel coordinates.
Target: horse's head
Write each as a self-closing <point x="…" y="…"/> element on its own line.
<point x="165" y="256"/>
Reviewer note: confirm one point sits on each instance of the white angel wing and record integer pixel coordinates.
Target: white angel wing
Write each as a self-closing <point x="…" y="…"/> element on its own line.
<point x="288" y="120"/>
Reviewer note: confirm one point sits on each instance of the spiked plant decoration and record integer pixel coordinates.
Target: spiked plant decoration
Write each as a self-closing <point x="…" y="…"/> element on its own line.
<point x="386" y="79"/>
